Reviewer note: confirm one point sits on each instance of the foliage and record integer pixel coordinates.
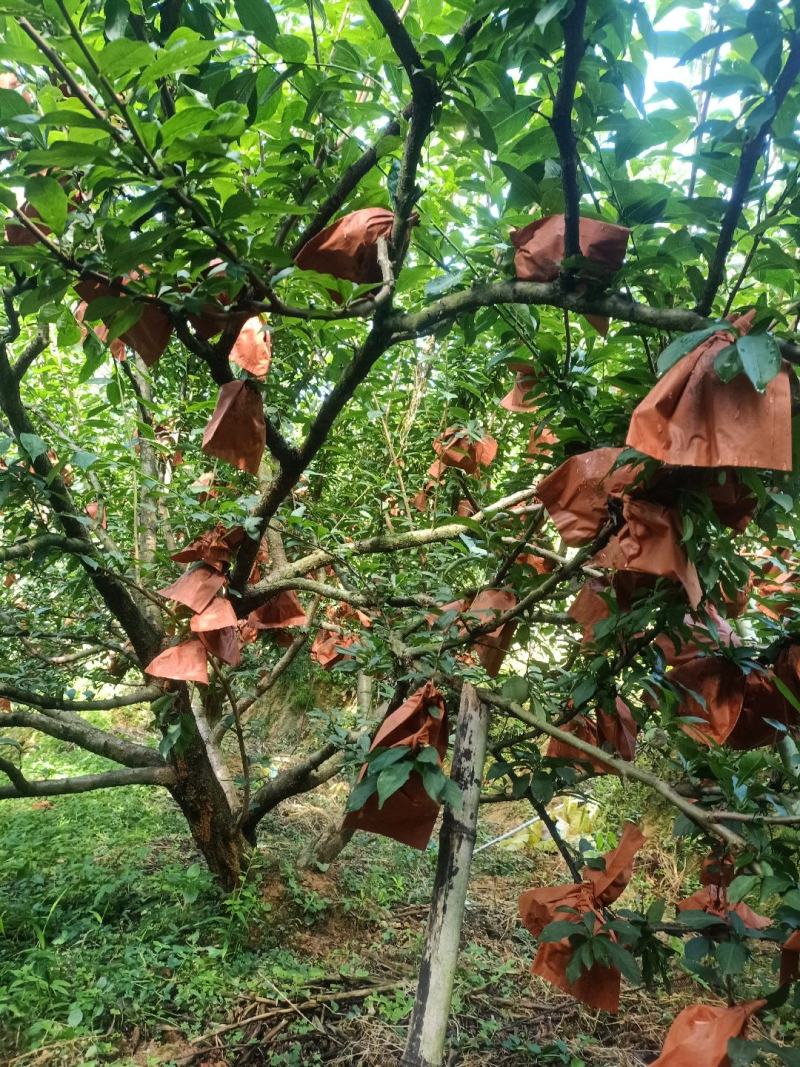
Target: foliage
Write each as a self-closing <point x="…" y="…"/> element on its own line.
<point x="178" y="156"/>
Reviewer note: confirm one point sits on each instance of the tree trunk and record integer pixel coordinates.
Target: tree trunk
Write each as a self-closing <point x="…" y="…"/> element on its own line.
<point x="205" y="792"/>
<point x="428" y="1027"/>
<point x="213" y="825"/>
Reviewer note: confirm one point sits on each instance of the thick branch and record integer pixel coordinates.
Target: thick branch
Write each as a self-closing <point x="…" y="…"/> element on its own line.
<point x="77" y="732"/>
<point x="26" y="549"/>
<point x="302" y="777"/>
<point x="614" y="306"/>
<point x="561" y="123"/>
<point x="83" y="783"/>
<point x="46" y="701"/>
<point x="752" y="151"/>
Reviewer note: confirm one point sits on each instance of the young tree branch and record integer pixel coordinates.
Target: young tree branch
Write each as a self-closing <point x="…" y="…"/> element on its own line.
<point x="752" y="151"/>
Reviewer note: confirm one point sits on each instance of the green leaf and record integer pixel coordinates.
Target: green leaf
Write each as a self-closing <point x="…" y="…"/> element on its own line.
<point x="361" y="793"/>
<point x="731" y="957"/>
<point x="678" y="348"/>
<point x="50" y="201"/>
<point x="478" y="123"/>
<point x="558" y="930"/>
<point x="392" y="779"/>
<point x="546" y="14"/>
<point x="585" y="689"/>
<point x="189" y="120"/>
<point x="620" y="958"/>
<point x="67" y="154"/>
<point x="258" y="17"/>
<point x="443" y="283"/>
<point x="117" y="13"/>
<point x="728" y="364"/>
<point x="33" y="445"/>
<point x="181" y="55"/>
<point x="705" y="44"/>
<point x="293" y="49"/>
<point x="515" y="689"/>
<point x="786" y="692"/>
<point x="379" y="760"/>
<point x="429" y="754"/>
<point x="761" y="358"/>
<point x="741" y="886"/>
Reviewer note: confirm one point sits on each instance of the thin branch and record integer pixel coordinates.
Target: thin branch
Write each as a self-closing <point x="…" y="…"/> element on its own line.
<point x="83" y="783"/>
<point x="75" y="89"/>
<point x="558" y="840"/>
<point x="771" y="820"/>
<point x="752" y="151"/>
<point x="705" y="820"/>
<point x="518" y="546"/>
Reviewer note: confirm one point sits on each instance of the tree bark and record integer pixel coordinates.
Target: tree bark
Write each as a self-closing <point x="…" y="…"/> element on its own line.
<point x="428" y="1027"/>
<point x="205" y="792"/>
<point x="213" y="825"/>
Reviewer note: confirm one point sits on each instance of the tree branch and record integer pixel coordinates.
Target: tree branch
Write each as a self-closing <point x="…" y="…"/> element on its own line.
<point x="77" y="732"/>
<point x="83" y="783"/>
<point x="703" y="819"/>
<point x="26" y="549"/>
<point x="561" y="124"/>
<point x="373" y="347"/>
<point x="748" y="161"/>
<point x="47" y="702"/>
<point x="255" y="595"/>
<point x="405" y="325"/>
<point x="143" y="634"/>
<point x="35" y="348"/>
<point x="301" y="777"/>
<point x="424" y="97"/>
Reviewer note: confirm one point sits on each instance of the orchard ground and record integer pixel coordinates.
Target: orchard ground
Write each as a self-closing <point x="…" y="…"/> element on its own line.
<point x="117" y="947"/>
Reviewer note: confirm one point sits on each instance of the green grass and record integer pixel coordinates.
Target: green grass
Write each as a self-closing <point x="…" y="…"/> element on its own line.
<point x="108" y="921"/>
<point x="114" y="935"/>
